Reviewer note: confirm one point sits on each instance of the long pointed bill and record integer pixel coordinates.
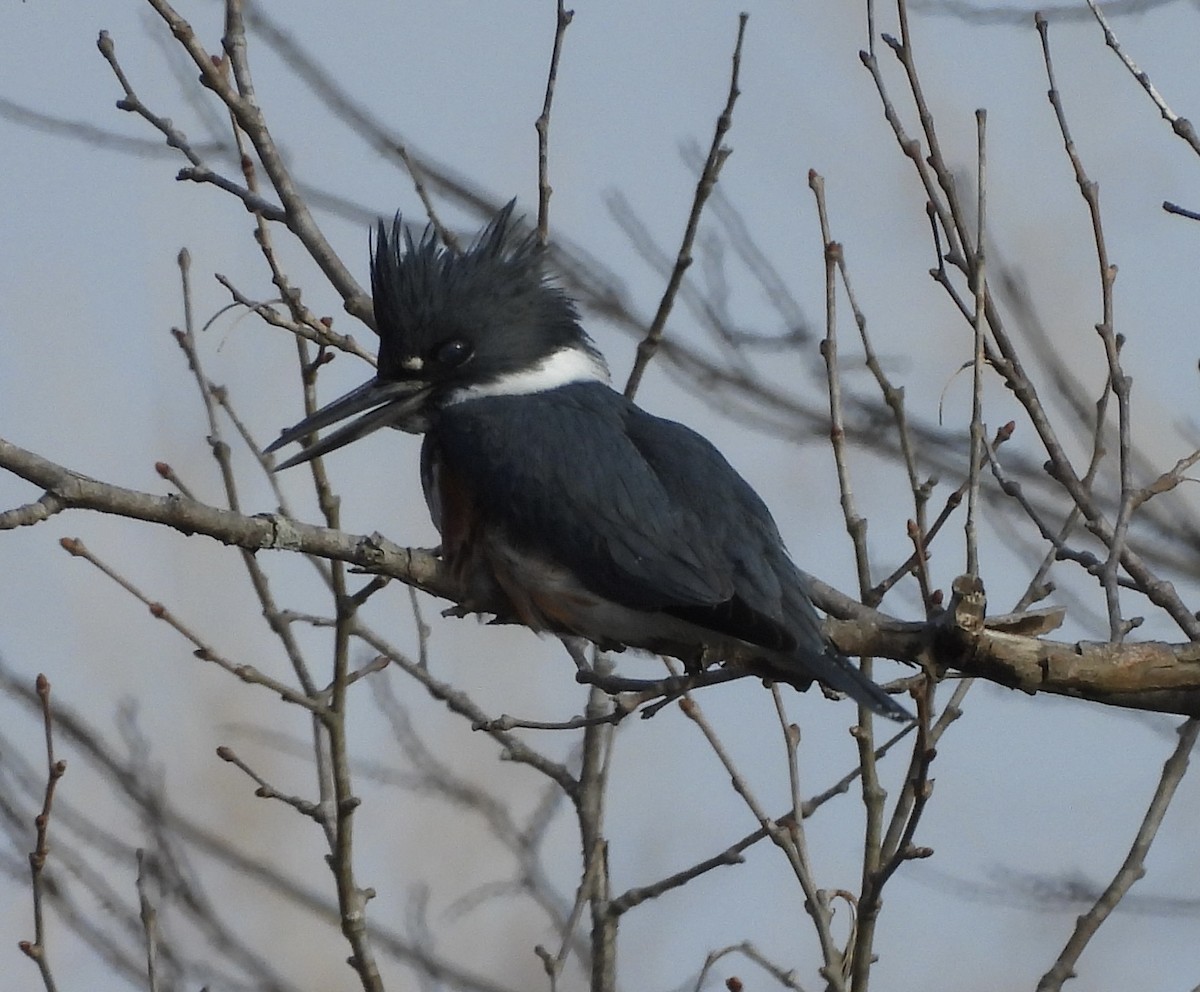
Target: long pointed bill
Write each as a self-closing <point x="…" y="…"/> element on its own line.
<point x="389" y="404"/>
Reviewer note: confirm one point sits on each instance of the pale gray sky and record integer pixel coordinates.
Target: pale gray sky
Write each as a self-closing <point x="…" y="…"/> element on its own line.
<point x="91" y="378"/>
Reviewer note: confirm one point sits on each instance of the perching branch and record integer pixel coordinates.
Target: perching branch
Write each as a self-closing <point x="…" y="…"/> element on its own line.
<point x="1148" y="675"/>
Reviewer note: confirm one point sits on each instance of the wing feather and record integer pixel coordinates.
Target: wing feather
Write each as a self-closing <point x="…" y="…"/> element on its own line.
<point x="638" y="507"/>
<point x="647" y="514"/>
<point x="562" y="477"/>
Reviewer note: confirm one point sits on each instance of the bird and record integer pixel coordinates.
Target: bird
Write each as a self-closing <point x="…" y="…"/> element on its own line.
<point x="561" y="504"/>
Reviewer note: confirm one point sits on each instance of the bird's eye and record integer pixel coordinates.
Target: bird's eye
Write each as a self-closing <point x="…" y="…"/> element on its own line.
<point x="452" y="353"/>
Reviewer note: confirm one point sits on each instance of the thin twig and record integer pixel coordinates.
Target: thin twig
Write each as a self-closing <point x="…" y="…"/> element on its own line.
<point x="784" y="976"/>
<point x="1119" y="381"/>
<point x="1133" y="867"/>
<point x="856" y="524"/>
<point x="911" y="146"/>
<point x="316" y="330"/>
<point x="166" y="471"/>
<point x="717" y="154"/>
<point x="36" y="949"/>
<point x="312" y="70"/>
<point x="432" y="773"/>
<point x="1005" y="356"/>
<point x="239" y="97"/>
<point x="895" y="846"/>
<point x="595" y="885"/>
<point x="1175" y="208"/>
<point x="816" y="902"/>
<point x="893" y="396"/>
<point x="732" y="854"/>
<point x="149" y="917"/>
<point x="979" y="280"/>
<point x="952" y="503"/>
<point x="204" y="651"/>
<point x="562" y="21"/>
<point x="1180" y="125"/>
<point x="130" y="787"/>
<point x="1167" y="481"/>
<point x="265" y="790"/>
<point x="553" y="963"/>
<point x="198" y="171"/>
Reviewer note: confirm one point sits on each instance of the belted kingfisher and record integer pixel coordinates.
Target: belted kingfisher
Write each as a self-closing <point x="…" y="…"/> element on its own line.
<point x="558" y="500"/>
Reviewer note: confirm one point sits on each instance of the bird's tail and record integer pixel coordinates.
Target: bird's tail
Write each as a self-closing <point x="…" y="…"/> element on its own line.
<point x="839" y="673"/>
<point x="814" y="658"/>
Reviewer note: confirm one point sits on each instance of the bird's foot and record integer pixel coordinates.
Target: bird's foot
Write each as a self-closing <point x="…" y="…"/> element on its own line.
<point x="577" y="649"/>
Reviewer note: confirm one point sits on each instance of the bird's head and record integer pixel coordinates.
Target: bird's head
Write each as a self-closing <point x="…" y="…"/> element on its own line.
<point x="455" y="326"/>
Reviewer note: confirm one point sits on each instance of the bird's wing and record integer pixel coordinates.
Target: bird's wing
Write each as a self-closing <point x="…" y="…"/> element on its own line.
<point x="645" y="511"/>
<point x="647" y="514"/>
<point x="770" y="605"/>
<point x="561" y="477"/>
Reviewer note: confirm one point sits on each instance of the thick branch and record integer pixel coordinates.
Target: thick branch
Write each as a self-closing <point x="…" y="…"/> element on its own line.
<point x="268" y="530"/>
<point x="1144" y="675"/>
<point x="1147" y="675"/>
